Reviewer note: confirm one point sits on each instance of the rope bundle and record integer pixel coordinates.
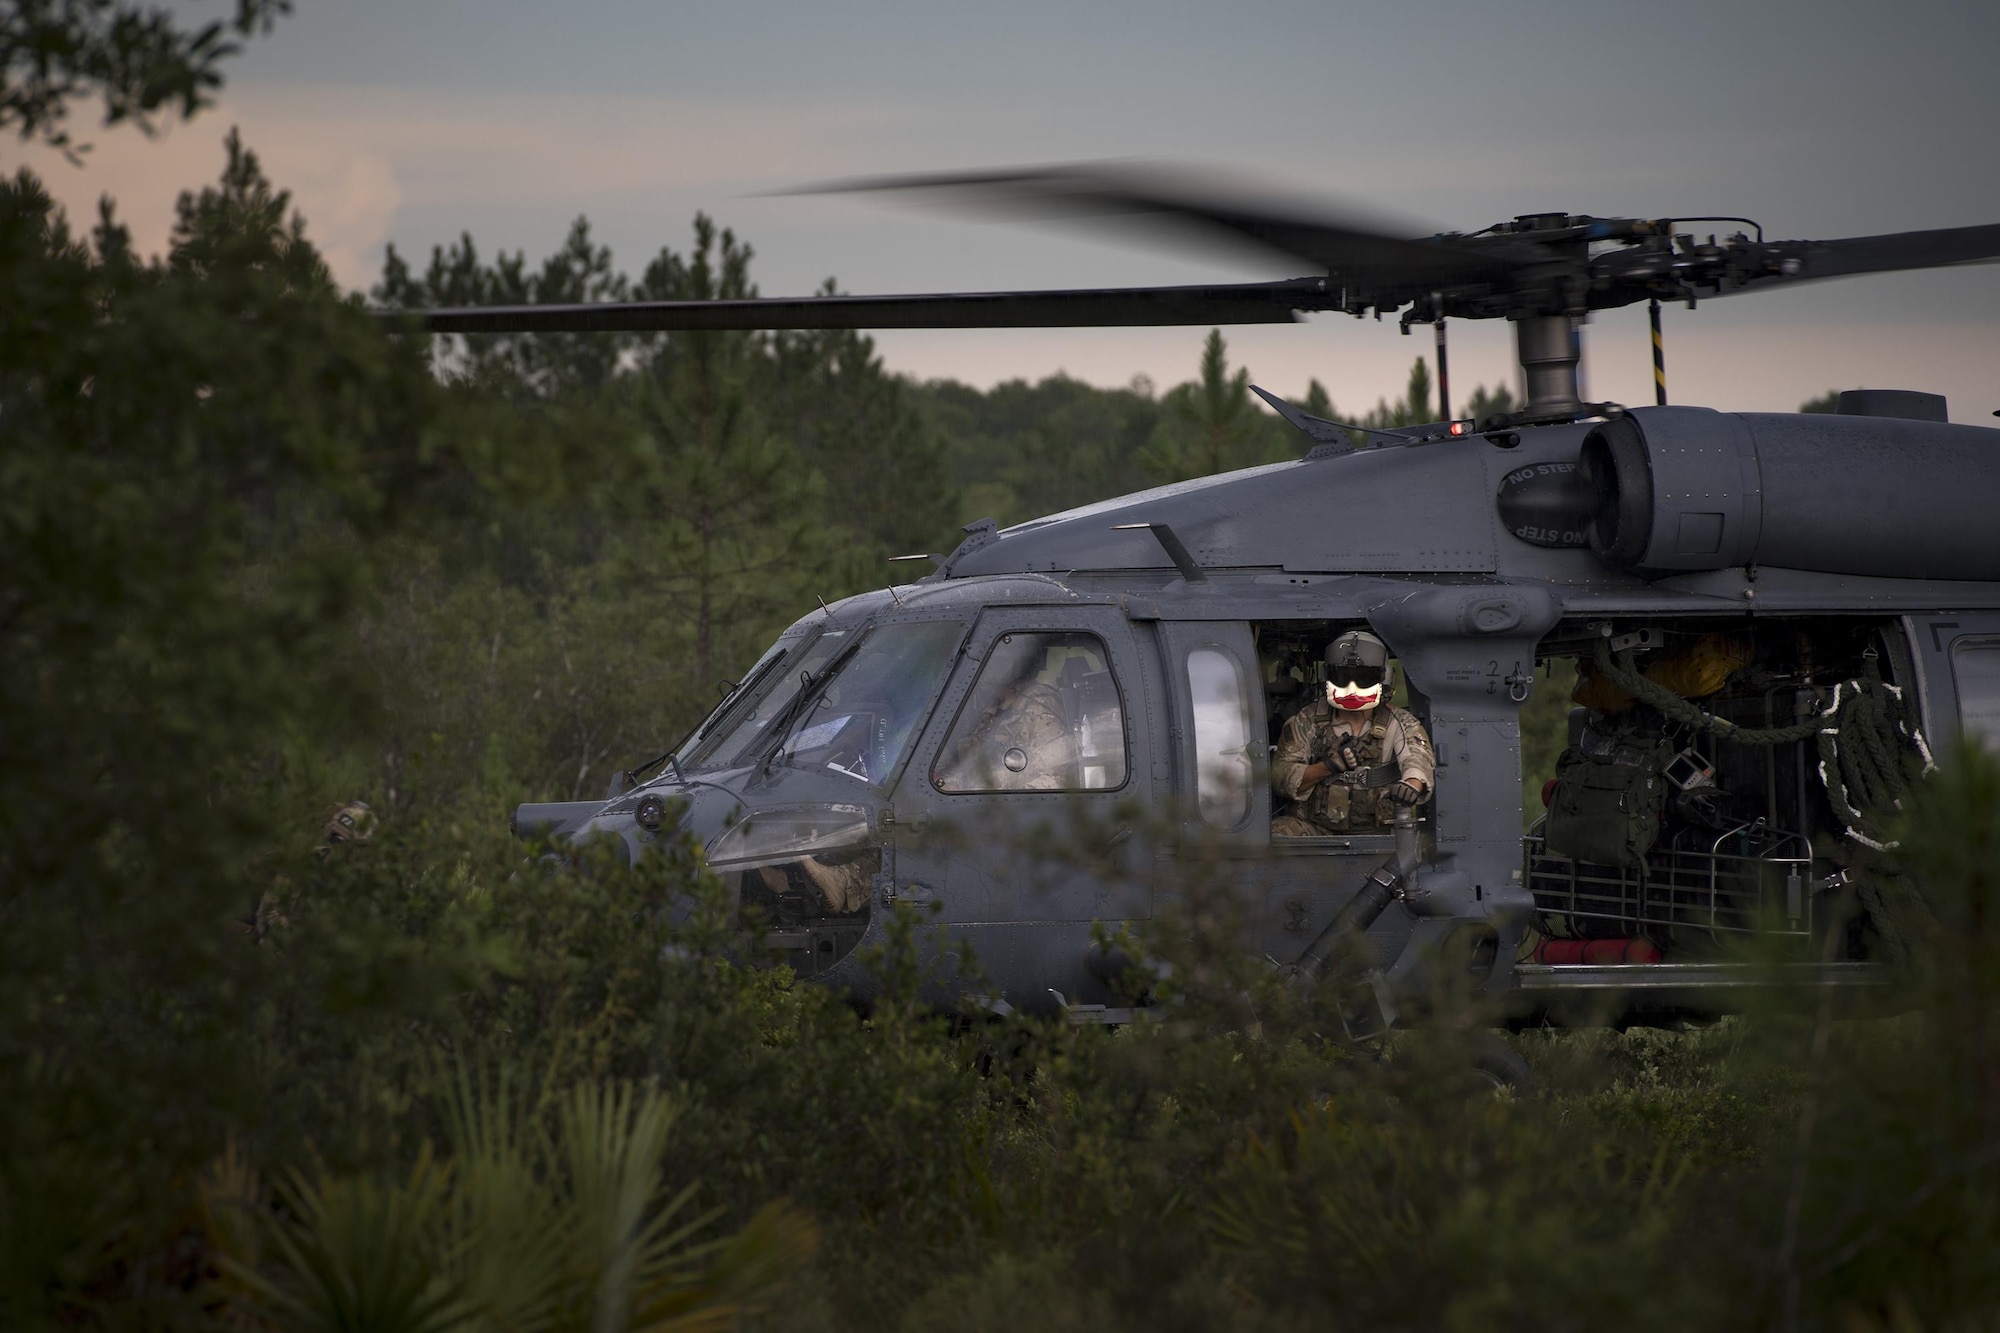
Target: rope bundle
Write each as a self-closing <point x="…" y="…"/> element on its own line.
<point x="1870" y="753"/>
<point x="1865" y="778"/>
<point x="1620" y="671"/>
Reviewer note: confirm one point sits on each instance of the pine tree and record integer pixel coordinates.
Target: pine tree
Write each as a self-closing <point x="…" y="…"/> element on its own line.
<point x="137" y="61"/>
<point x="1493" y="402"/>
<point x="1417" y="400"/>
<point x="1317" y="402"/>
<point x="1414" y="409"/>
<point x="738" y="516"/>
<point x="855" y="424"/>
<point x="1210" y="423"/>
<point x="543" y="365"/>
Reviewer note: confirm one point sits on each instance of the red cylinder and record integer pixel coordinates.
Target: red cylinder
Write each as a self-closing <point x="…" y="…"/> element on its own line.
<point x="1559" y="951"/>
<point x="1596" y="953"/>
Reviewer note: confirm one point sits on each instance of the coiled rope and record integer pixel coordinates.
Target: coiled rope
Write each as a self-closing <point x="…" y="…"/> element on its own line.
<point x="1870" y="753"/>
<point x="1620" y="671"/>
<point x="1869" y="749"/>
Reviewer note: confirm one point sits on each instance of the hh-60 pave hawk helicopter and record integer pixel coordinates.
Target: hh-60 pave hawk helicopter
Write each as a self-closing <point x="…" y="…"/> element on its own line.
<point x="1776" y="618"/>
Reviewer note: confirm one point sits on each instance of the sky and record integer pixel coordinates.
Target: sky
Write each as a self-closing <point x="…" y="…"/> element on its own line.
<point x="411" y="121"/>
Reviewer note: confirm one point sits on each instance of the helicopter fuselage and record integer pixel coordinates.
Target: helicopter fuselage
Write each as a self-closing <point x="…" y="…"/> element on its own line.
<point x="1155" y="642"/>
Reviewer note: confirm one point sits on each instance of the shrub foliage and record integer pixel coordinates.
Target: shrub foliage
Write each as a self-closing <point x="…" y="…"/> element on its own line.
<point x="260" y="556"/>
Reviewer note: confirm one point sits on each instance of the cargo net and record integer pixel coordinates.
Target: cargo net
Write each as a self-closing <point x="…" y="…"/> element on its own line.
<point x="1698" y="885"/>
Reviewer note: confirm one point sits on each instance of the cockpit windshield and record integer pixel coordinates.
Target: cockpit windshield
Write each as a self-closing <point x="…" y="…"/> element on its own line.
<point x="770" y="689"/>
<point x="866" y="711"/>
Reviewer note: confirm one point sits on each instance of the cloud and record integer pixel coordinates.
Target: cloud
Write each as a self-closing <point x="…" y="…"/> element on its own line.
<point x="357" y="159"/>
<point x="368" y="164"/>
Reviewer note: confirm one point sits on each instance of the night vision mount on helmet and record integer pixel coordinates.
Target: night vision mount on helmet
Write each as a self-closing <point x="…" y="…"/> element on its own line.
<point x="1357" y="658"/>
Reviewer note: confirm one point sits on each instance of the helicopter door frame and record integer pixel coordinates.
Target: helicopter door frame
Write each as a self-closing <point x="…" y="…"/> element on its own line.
<point x="1936" y="643"/>
<point x="1233" y="643"/>
<point x="975" y="870"/>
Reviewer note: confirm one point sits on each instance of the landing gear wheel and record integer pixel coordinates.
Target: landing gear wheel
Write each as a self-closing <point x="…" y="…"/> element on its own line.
<point x="1497" y="1063"/>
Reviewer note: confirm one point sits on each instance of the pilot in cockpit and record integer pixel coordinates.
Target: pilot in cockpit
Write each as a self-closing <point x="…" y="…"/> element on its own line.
<point x="1021" y="742"/>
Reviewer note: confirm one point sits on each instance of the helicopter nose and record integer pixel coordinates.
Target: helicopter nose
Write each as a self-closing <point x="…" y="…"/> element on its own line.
<point x="590" y="848"/>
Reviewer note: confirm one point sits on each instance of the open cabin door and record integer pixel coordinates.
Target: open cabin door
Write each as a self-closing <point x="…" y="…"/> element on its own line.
<point x="1287" y="888"/>
<point x="1958" y="676"/>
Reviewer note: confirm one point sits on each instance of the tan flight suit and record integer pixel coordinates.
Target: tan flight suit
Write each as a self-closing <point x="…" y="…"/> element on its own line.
<point x="843" y="888"/>
<point x="353" y="822"/>
<point x="1389" y="735"/>
<point x="1022" y="743"/>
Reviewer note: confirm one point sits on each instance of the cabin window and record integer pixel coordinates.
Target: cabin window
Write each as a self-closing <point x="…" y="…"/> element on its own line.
<point x="1223" y="771"/>
<point x="1043" y="715"/>
<point x="1975" y="668"/>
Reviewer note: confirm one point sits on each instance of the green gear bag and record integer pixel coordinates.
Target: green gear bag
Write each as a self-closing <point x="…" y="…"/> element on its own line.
<point x="1606" y="807"/>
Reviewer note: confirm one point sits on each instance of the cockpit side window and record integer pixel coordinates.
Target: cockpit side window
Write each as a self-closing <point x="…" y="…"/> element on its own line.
<point x="1044" y="715"/>
<point x="1975" y="669"/>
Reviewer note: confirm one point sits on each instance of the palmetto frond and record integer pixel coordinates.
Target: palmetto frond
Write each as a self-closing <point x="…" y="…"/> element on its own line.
<point x="537" y="1224"/>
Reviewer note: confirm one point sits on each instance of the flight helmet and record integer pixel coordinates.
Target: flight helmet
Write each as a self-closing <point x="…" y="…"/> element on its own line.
<point x="1357" y="668"/>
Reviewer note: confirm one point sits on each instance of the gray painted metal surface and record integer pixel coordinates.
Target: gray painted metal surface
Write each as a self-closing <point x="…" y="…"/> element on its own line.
<point x="1470" y="549"/>
<point x="1467" y="556"/>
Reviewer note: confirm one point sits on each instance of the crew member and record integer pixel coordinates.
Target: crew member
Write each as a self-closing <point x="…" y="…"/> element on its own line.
<point x="353" y="822"/>
<point x="1021" y="742"/>
<point x="1346" y="762"/>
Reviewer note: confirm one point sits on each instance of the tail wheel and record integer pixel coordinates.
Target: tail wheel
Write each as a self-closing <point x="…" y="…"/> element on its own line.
<point x="1499" y="1064"/>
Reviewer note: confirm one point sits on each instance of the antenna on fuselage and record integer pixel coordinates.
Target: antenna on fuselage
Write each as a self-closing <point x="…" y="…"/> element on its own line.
<point x="1172" y="545"/>
<point x="1320" y="430"/>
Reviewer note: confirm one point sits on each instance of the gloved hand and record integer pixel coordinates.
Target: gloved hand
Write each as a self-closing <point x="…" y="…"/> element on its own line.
<point x="1346" y="755"/>
<point x="1405" y="793"/>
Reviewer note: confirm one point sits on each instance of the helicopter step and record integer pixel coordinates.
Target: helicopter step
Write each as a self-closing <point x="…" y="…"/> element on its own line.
<point x="1648" y="994"/>
<point x="1693" y="981"/>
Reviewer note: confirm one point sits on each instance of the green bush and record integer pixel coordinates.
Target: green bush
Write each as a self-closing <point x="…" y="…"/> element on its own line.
<point x="259" y="558"/>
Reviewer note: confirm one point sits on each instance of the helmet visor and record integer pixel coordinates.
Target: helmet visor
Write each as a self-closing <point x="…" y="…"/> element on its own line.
<point x="1354" y="677"/>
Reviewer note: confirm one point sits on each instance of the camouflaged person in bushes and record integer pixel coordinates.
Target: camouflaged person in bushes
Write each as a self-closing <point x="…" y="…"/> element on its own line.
<point x="1347" y="761"/>
<point x="353" y="822"/>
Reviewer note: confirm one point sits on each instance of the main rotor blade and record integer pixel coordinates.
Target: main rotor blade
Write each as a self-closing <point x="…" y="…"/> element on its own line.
<point x="1895" y="251"/>
<point x="1234" y="303"/>
<point x="1356" y="257"/>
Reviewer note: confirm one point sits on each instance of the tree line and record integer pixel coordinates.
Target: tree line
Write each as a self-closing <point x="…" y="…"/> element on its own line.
<point x="261" y="559"/>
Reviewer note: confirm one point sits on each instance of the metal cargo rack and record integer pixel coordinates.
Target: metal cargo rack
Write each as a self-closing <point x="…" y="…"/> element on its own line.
<point x="1751" y="879"/>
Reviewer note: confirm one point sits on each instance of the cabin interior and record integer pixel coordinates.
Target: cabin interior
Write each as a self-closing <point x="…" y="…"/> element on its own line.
<point x="1732" y="795"/>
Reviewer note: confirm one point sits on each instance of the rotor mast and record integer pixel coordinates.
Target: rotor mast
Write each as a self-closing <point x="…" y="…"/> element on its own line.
<point x="1549" y="348"/>
<point x="1547" y="316"/>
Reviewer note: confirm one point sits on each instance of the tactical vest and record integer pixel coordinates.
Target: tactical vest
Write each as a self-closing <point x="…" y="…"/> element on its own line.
<point x="1349" y="805"/>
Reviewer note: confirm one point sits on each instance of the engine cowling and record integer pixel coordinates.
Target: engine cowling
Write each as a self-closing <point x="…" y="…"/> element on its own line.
<point x="1680" y="489"/>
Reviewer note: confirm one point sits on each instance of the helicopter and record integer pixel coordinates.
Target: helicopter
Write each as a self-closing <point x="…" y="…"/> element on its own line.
<point x="1754" y="603"/>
